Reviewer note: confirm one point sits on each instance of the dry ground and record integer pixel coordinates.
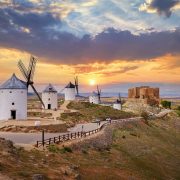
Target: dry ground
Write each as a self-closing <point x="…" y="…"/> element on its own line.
<point x="132" y="150"/>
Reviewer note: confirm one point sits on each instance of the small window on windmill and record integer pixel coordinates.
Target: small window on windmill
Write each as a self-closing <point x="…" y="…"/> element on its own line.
<point x="10" y="91"/>
<point x="49" y="99"/>
<point x="21" y="92"/>
<point x="1" y="91"/>
<point x="13" y="103"/>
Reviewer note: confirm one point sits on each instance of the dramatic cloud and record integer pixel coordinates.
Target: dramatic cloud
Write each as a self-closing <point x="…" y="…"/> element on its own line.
<point x="163" y="7"/>
<point x="38" y="35"/>
<point x="42" y="34"/>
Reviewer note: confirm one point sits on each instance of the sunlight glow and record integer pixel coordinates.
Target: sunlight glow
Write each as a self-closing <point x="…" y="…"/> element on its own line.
<point x="92" y="82"/>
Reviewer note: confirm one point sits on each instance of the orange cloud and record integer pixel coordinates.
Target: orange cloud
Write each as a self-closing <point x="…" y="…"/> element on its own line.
<point x="163" y="69"/>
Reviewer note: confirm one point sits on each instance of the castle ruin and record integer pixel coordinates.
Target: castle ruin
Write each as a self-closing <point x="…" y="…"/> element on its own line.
<point x="144" y="94"/>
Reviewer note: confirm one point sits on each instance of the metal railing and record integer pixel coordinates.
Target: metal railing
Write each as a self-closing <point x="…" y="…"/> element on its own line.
<point x="76" y="135"/>
<point x="68" y="136"/>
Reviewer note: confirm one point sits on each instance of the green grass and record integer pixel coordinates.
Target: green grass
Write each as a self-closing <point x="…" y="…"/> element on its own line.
<point x="56" y="149"/>
<point x="88" y="112"/>
<point x="154" y="153"/>
<point x="139" y="150"/>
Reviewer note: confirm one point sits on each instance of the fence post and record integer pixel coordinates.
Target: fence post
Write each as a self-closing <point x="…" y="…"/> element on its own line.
<point x="54" y="139"/>
<point x="43" y="138"/>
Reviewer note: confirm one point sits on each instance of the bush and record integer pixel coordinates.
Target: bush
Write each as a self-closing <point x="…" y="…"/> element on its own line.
<point x="53" y="149"/>
<point x="66" y="149"/>
<point x="166" y="104"/>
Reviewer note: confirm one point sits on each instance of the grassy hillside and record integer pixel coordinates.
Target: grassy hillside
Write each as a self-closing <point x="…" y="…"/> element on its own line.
<point x="88" y="112"/>
<point x="137" y="149"/>
<point x="121" y="151"/>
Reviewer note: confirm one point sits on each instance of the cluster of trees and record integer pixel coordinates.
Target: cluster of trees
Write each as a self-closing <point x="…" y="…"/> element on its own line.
<point x="166" y="104"/>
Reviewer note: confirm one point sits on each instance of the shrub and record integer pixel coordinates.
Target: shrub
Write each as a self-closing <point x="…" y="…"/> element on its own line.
<point x="166" y="104"/>
<point x="67" y="149"/>
<point x="53" y="149"/>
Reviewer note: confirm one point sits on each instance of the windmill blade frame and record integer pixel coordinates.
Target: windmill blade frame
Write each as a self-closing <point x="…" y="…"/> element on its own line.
<point x="23" y="69"/>
<point x="31" y="68"/>
<point x="62" y="90"/>
<point x="29" y="74"/>
<point x="34" y="89"/>
<point x="76" y="85"/>
<point x="119" y="95"/>
<point x="99" y="93"/>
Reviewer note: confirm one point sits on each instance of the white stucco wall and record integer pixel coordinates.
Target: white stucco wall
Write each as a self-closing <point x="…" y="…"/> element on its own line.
<point x="16" y="96"/>
<point x="117" y="106"/>
<point x="50" y="98"/>
<point x="70" y="94"/>
<point x="94" y="99"/>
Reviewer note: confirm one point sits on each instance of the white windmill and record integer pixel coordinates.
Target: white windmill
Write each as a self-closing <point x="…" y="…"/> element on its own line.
<point x="71" y="90"/>
<point x="13" y="99"/>
<point x="50" y="97"/>
<point x="118" y="104"/>
<point x="95" y="98"/>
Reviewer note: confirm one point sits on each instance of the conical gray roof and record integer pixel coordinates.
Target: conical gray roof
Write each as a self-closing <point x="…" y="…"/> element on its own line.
<point x="70" y="85"/>
<point x="14" y="83"/>
<point x="50" y="88"/>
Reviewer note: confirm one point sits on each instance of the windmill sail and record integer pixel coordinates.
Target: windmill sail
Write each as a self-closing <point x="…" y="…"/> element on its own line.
<point x="76" y="85"/>
<point x="37" y="94"/>
<point x="119" y="98"/>
<point x="29" y="74"/>
<point x="99" y="93"/>
<point x="23" y="70"/>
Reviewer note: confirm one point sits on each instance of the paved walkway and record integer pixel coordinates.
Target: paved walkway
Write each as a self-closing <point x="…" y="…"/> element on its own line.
<point x="31" y="138"/>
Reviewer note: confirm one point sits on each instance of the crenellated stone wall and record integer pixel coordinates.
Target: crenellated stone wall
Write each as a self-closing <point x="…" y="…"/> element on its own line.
<point x="146" y="94"/>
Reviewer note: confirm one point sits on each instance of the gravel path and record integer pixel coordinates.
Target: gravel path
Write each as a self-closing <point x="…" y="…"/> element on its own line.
<point x="31" y="138"/>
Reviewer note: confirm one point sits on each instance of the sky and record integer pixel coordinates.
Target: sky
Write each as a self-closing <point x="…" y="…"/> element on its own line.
<point x="113" y="43"/>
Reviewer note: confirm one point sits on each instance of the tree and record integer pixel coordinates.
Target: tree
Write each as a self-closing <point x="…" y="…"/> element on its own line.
<point x="166" y="104"/>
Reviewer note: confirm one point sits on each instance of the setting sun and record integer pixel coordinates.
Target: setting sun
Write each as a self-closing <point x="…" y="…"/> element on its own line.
<point x="92" y="82"/>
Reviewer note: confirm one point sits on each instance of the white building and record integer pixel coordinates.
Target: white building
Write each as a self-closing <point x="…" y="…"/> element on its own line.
<point x="50" y="97"/>
<point x="13" y="99"/>
<point x="94" y="98"/>
<point x="117" y="105"/>
<point x="70" y="93"/>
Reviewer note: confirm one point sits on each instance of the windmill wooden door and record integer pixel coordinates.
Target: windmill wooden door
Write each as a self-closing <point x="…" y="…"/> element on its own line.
<point x="13" y="114"/>
<point x="49" y="106"/>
